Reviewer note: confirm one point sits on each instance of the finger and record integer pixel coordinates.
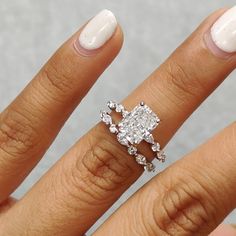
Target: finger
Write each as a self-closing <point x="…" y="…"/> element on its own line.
<point x="224" y="230"/>
<point x="97" y="170"/>
<point x="6" y="205"/>
<point x="31" y="122"/>
<point x="191" y="197"/>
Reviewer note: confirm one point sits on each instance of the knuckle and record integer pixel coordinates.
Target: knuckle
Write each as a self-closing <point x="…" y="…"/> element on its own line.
<point x="17" y="135"/>
<point x="59" y="77"/>
<point x="102" y="168"/>
<point x="184" y="209"/>
<point x="186" y="85"/>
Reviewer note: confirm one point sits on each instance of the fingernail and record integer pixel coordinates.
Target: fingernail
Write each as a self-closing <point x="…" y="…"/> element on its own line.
<point x="224" y="230"/>
<point x="223" y="31"/>
<point x="97" y="31"/>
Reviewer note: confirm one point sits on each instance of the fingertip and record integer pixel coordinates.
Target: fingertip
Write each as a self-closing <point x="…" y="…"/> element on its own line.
<point x="220" y="38"/>
<point x="114" y="45"/>
<point x="119" y="37"/>
<point x="100" y="34"/>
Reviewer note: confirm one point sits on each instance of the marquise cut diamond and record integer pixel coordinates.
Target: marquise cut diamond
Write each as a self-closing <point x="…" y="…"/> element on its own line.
<point x="106" y="118"/>
<point x="161" y="156"/>
<point x="113" y="129"/>
<point x="122" y="139"/>
<point x="119" y="108"/>
<point x="149" y="167"/>
<point x="111" y="104"/>
<point x="132" y="150"/>
<point x="156" y="147"/>
<point x="141" y="159"/>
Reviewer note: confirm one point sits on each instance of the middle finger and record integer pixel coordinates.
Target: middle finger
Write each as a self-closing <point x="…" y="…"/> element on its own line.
<point x="97" y="170"/>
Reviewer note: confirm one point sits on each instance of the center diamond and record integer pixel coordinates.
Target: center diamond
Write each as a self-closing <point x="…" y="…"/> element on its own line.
<point x="138" y="124"/>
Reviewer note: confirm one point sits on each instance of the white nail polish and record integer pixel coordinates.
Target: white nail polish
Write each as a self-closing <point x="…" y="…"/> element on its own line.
<point x="98" y="30"/>
<point x="223" y="31"/>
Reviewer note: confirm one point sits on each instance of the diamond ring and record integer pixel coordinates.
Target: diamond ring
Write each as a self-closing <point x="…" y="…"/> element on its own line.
<point x="135" y="126"/>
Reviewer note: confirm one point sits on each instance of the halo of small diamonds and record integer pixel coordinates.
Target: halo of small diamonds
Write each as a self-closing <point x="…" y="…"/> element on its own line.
<point x="134" y="127"/>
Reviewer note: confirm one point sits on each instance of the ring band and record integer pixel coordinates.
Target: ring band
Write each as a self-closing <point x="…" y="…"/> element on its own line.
<point x="134" y="127"/>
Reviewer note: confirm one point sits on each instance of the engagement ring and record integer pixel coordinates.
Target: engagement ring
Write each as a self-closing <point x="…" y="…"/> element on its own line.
<point x="135" y="126"/>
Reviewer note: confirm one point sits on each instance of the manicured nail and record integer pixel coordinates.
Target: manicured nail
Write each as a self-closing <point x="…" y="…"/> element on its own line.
<point x="223" y="31"/>
<point x="98" y="31"/>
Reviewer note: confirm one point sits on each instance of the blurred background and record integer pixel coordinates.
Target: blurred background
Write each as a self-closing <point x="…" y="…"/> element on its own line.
<point x="30" y="31"/>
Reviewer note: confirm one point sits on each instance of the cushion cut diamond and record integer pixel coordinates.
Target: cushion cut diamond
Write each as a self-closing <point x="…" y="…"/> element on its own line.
<point x="138" y="123"/>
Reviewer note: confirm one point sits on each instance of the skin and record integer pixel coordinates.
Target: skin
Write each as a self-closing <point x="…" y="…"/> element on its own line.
<point x="184" y="199"/>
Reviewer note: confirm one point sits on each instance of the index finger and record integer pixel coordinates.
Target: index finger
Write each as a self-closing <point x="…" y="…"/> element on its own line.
<point x="31" y="122"/>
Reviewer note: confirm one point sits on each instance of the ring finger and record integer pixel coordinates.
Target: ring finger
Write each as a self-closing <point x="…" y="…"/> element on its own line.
<point x="97" y="170"/>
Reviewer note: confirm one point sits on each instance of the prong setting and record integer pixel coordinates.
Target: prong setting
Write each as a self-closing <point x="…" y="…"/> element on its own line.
<point x="134" y="127"/>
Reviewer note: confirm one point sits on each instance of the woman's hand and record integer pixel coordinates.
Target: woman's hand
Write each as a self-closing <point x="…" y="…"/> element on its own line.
<point x="190" y="197"/>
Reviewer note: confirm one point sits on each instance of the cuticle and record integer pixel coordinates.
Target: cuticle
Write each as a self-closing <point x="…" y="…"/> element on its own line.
<point x="83" y="51"/>
<point x="212" y="47"/>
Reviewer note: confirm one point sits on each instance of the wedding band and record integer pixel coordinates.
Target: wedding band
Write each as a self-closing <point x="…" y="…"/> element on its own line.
<point x="134" y="127"/>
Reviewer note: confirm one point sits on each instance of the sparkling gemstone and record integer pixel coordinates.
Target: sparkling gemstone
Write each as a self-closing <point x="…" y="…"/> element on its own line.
<point x="149" y="167"/>
<point x="161" y="156"/>
<point x="105" y="117"/>
<point x="149" y="138"/>
<point x="122" y="139"/>
<point x="125" y="113"/>
<point x="113" y="128"/>
<point x="111" y="104"/>
<point x="156" y="147"/>
<point x="119" y="108"/>
<point x="137" y="124"/>
<point x="132" y="150"/>
<point x="141" y="159"/>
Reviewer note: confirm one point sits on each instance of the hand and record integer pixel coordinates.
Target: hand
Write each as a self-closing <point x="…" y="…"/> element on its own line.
<point x="191" y="197"/>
